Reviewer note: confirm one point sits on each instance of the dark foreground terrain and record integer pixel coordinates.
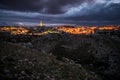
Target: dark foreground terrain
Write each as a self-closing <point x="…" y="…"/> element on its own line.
<point x="60" y="56"/>
<point x="21" y="63"/>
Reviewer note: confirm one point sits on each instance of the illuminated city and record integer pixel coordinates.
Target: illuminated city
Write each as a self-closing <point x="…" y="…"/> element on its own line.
<point x="72" y="30"/>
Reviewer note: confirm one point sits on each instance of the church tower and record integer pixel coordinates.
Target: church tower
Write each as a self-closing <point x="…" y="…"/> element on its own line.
<point x="41" y="24"/>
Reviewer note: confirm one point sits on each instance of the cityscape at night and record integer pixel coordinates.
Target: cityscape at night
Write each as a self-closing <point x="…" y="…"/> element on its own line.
<point x="60" y="40"/>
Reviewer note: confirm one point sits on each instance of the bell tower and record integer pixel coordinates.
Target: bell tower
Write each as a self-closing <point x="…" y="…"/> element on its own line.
<point x="41" y="24"/>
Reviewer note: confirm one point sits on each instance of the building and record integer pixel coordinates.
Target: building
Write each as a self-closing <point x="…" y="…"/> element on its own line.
<point x="41" y="24"/>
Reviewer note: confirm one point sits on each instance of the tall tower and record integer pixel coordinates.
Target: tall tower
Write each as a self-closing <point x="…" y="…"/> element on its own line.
<point x="41" y="24"/>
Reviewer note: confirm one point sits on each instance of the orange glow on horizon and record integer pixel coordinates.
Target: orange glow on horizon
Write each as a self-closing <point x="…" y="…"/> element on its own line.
<point x="15" y="30"/>
<point x="108" y="28"/>
<point x="85" y="30"/>
<point x="77" y="30"/>
<point x="82" y="30"/>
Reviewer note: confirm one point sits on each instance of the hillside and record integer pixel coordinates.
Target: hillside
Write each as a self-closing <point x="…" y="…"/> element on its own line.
<point x="97" y="53"/>
<point x="17" y="62"/>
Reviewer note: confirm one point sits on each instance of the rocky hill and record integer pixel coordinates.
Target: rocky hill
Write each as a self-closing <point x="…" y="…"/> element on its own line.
<point x="97" y="53"/>
<point x="19" y="63"/>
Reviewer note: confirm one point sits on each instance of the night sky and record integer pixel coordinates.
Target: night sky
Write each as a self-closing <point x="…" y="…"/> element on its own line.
<point x="82" y="12"/>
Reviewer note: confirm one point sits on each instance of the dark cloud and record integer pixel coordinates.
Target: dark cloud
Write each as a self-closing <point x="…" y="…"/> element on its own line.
<point x="60" y="11"/>
<point x="100" y="13"/>
<point x="42" y="6"/>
